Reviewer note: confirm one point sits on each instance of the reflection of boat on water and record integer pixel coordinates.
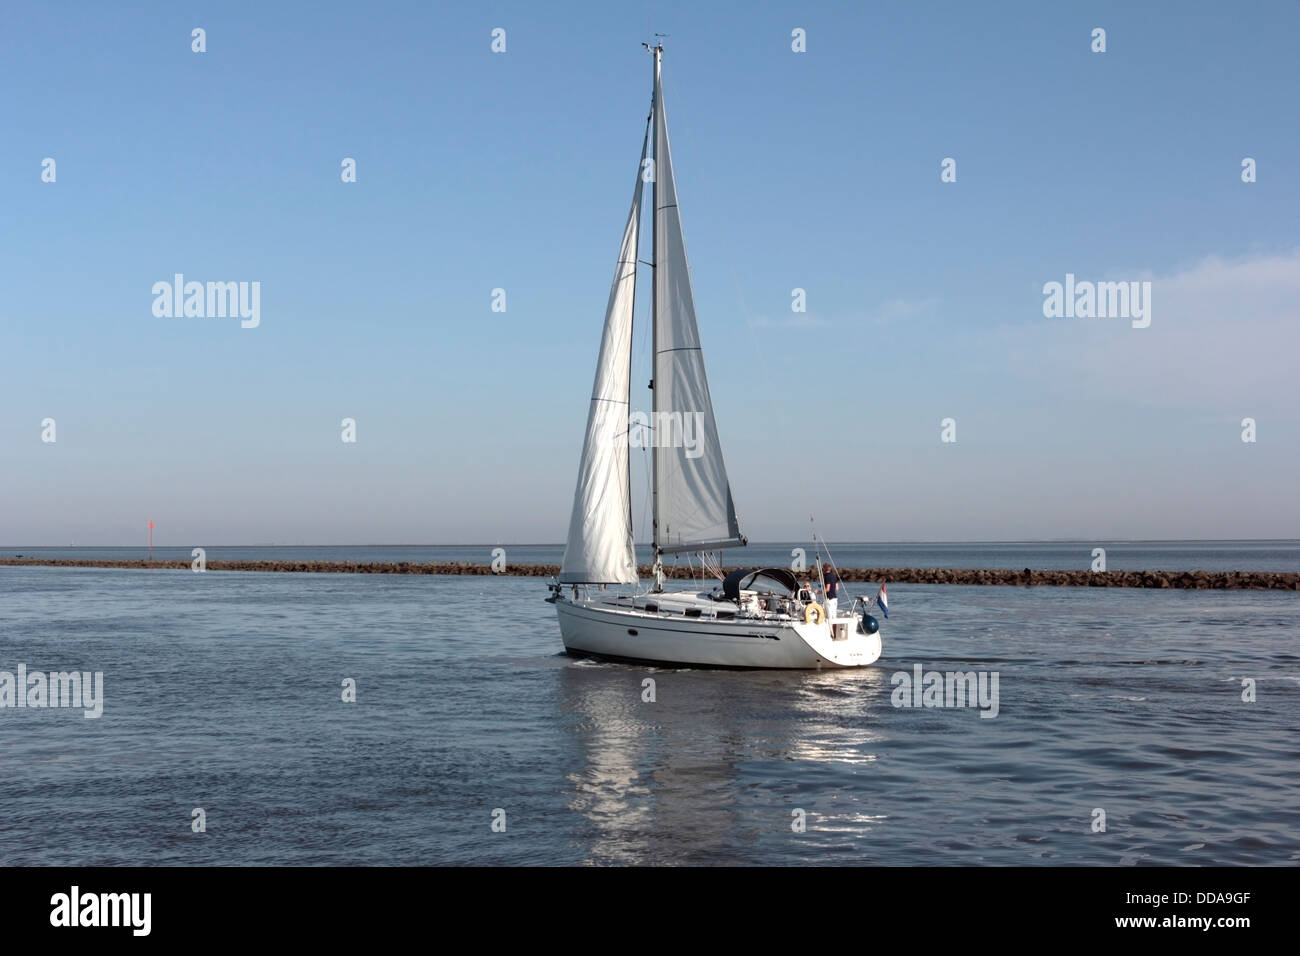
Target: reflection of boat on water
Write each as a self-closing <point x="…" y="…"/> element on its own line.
<point x="608" y="790"/>
<point x="757" y="618"/>
<point x="656" y="783"/>
<point x="710" y="772"/>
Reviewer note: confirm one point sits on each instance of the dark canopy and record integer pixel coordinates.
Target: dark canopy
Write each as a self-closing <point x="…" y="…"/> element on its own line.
<point x="777" y="580"/>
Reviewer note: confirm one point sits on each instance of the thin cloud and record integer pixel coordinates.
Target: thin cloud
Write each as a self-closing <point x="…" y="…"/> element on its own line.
<point x="1223" y="338"/>
<point x="899" y="310"/>
<point x="798" y="320"/>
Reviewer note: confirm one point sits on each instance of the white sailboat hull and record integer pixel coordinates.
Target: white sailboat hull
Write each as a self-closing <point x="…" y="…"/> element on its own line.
<point x="603" y="630"/>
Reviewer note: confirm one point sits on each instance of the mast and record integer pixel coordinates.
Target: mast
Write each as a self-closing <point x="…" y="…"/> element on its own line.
<point x="657" y="50"/>
<point x="693" y="507"/>
<point x="636" y="255"/>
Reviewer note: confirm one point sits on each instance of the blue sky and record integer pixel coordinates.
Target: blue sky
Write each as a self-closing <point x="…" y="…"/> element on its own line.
<point x="816" y="170"/>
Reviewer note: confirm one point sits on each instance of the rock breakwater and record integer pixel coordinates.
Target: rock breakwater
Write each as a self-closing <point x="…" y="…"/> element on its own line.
<point x="1192" y="580"/>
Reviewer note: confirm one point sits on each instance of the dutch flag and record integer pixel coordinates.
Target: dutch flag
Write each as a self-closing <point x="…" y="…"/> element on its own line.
<point x="882" y="599"/>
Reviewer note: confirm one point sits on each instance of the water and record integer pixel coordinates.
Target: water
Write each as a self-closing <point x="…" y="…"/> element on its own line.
<point x="1279" y="555"/>
<point x="223" y="692"/>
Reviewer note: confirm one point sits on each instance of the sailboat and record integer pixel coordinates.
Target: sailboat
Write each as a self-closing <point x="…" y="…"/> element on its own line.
<point x="753" y="617"/>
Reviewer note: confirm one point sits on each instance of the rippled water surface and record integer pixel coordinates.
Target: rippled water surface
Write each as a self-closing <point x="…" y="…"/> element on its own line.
<point x="223" y="692"/>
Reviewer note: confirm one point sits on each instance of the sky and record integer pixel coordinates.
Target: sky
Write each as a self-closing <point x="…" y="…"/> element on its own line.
<point x="478" y="170"/>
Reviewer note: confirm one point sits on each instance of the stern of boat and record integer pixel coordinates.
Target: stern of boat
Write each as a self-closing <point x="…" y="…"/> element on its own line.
<point x="843" y="641"/>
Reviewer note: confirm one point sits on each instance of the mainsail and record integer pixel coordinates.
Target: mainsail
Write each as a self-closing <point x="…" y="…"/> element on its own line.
<point x="600" y="529"/>
<point x="693" y="509"/>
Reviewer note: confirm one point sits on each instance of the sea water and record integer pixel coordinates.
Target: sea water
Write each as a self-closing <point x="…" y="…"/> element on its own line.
<point x="472" y="739"/>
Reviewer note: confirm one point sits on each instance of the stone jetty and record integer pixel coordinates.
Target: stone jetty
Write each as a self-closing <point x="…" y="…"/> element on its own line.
<point x="1194" y="580"/>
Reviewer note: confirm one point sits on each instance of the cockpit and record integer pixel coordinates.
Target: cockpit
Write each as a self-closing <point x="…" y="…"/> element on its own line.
<point x="773" y="590"/>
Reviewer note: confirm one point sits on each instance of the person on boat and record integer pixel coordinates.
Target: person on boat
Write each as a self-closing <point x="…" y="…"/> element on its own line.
<point x="832" y="589"/>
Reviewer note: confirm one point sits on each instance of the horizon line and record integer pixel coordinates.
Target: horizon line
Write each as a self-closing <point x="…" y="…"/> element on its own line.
<point x="641" y="544"/>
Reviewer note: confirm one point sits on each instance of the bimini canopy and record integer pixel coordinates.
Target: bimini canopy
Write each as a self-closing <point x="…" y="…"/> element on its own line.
<point x="769" y="580"/>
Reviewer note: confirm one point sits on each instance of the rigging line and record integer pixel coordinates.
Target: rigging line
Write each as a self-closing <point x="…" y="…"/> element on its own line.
<point x="643" y="350"/>
<point x="829" y="556"/>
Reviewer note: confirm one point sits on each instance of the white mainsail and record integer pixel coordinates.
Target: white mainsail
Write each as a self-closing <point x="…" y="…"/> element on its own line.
<point x="599" y="548"/>
<point x="692" y="498"/>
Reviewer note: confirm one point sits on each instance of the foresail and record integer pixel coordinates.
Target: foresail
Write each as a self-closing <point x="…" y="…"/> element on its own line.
<point x="693" y="505"/>
<point x="600" y="548"/>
